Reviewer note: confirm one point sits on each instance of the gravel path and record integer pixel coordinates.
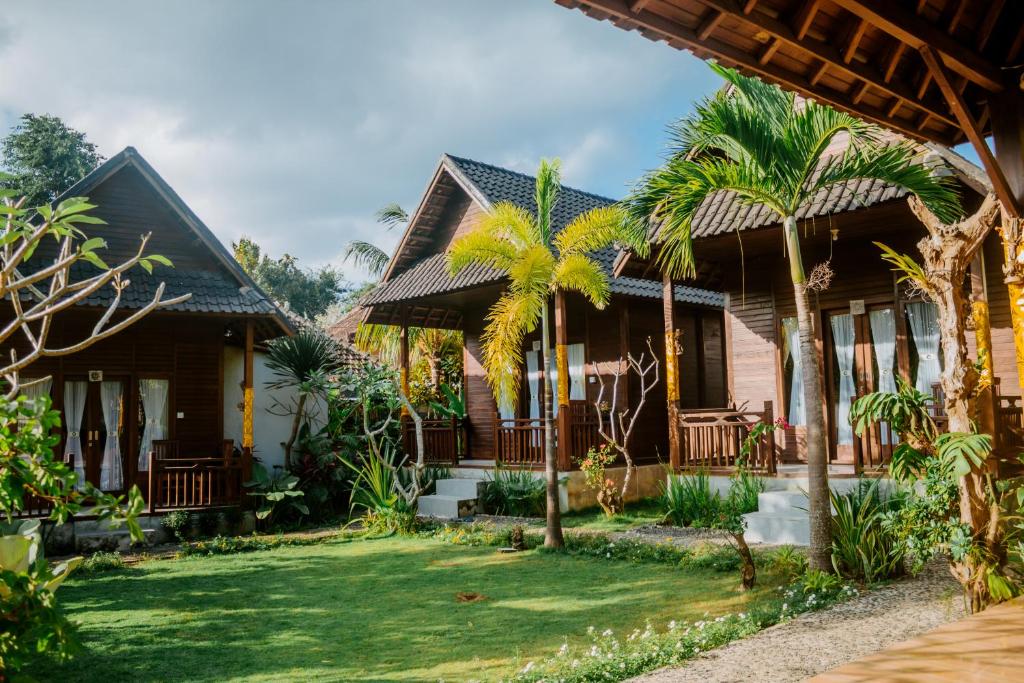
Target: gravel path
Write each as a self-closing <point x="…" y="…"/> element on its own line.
<point x="820" y="641"/>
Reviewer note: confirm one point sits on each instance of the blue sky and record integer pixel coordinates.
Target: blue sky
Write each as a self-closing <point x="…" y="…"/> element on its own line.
<point x="294" y="122"/>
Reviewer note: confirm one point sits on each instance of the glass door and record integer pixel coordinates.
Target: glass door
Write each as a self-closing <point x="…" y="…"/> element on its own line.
<point x="841" y="382"/>
<point x="95" y="430"/>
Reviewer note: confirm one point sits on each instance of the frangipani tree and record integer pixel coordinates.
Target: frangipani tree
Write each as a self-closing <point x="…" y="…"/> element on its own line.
<point x="538" y="262"/>
<point x="760" y="143"/>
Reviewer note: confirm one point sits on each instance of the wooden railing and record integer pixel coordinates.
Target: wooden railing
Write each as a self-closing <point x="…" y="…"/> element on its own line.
<point x="519" y="442"/>
<point x="1010" y="422"/>
<point x="713" y="439"/>
<point x="196" y="482"/>
<point x="582" y="429"/>
<point x="444" y="440"/>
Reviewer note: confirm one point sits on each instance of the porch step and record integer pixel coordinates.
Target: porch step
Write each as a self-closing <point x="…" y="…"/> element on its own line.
<point x="460" y="488"/>
<point x="791" y="502"/>
<point x="477" y="473"/>
<point x="446" y="507"/>
<point x="778" y="528"/>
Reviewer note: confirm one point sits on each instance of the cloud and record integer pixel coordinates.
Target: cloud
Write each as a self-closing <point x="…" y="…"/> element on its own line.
<point x="293" y="127"/>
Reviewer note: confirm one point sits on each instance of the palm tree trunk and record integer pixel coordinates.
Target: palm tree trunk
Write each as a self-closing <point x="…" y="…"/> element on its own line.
<point x="817" y="453"/>
<point x="296" y="423"/>
<point x="553" y="532"/>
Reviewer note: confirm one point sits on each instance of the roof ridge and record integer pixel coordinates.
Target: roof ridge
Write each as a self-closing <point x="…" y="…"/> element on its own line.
<point x="495" y="167"/>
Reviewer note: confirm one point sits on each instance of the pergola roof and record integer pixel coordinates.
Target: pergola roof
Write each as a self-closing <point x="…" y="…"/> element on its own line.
<point x="926" y="68"/>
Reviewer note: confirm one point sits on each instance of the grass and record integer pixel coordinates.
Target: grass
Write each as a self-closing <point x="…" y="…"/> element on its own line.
<point x="394" y="609"/>
<point x="641" y="513"/>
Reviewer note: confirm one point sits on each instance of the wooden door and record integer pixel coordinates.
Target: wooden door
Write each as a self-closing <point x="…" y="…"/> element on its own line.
<point x="843" y="336"/>
<point x="95" y="430"/>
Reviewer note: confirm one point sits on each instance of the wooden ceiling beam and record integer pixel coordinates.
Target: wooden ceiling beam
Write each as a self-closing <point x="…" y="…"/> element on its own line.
<point x="898" y="48"/>
<point x="916" y="32"/>
<point x="638" y="5"/>
<point x="749" y="6"/>
<point x="988" y="24"/>
<point x="708" y="26"/>
<point x="854" y="41"/>
<point x="775" y="28"/>
<point x="769" y="51"/>
<point x="805" y="17"/>
<point x="860" y="92"/>
<point x="677" y="34"/>
<point x="971" y="129"/>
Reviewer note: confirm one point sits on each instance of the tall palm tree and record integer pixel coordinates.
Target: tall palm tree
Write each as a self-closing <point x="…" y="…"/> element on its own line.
<point x="761" y="144"/>
<point x="430" y="344"/>
<point x="538" y="263"/>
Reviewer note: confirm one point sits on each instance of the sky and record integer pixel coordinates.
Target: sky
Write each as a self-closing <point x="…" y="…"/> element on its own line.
<point x="293" y="122"/>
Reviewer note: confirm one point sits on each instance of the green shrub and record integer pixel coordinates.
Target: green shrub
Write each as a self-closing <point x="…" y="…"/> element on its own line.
<point x="100" y="562"/>
<point x="480" y="534"/>
<point x="744" y="488"/>
<point x="516" y="493"/>
<point x="178" y="524"/>
<point x="688" y="500"/>
<point x="863" y="548"/>
<point x="788" y="562"/>
<point x="229" y="545"/>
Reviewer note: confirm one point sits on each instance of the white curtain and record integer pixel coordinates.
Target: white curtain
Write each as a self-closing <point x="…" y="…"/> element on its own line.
<point x="40" y="388"/>
<point x="154" y="402"/>
<point x="924" y="326"/>
<point x="74" y="408"/>
<point x="577" y="386"/>
<point x="883" y="339"/>
<point x="533" y="382"/>
<point x="842" y="338"/>
<point x="111" y="475"/>
<point x="553" y="378"/>
<point x="796" y="392"/>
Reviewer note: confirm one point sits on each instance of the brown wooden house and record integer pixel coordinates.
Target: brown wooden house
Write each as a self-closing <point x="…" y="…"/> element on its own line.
<point x="417" y="291"/>
<point x="870" y="329"/>
<point x="147" y="405"/>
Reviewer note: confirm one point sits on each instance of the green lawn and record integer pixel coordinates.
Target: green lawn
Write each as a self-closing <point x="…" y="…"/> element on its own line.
<point x="641" y="513"/>
<point x="384" y="610"/>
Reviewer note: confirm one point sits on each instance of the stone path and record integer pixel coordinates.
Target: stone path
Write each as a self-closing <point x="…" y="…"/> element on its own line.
<point x="819" y="641"/>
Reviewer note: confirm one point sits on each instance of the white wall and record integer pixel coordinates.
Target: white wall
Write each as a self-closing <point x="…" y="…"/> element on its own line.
<point x="270" y="430"/>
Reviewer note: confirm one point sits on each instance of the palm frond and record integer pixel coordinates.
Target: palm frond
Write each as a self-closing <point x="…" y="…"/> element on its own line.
<point x="548" y="184"/>
<point x="775" y="104"/>
<point x="532" y="270"/>
<point x="893" y="164"/>
<point x="380" y="340"/>
<point x="369" y="256"/>
<point x="513" y="223"/>
<point x="299" y="359"/>
<point x="579" y="273"/>
<point x="392" y="215"/>
<point x="911" y="270"/>
<point x="482" y="246"/>
<point x="514" y="316"/>
<point x="592" y="230"/>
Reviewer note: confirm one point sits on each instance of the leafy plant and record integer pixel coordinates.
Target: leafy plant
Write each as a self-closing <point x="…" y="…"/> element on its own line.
<point x="454" y="405"/>
<point x="374" y="492"/>
<point x="688" y="500"/>
<point x="817" y="581"/>
<point x="101" y="562"/>
<point x="277" y="493"/>
<point x="744" y="489"/>
<point x="593" y="465"/>
<point x="177" y="523"/>
<point x="514" y="492"/>
<point x="863" y="548"/>
<point x="788" y="561"/>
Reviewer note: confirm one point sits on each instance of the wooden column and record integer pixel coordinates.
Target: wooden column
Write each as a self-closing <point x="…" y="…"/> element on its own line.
<point x="247" y="388"/>
<point x="671" y="370"/>
<point x="563" y="419"/>
<point x="983" y="343"/>
<point x="403" y="360"/>
<point x="1008" y="135"/>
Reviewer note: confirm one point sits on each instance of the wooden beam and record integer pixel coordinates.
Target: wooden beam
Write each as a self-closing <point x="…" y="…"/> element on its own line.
<point x="805" y="17"/>
<point x="707" y="27"/>
<point x="638" y="5"/>
<point x="861" y="91"/>
<point x="854" y="42"/>
<point x="958" y="14"/>
<point x="899" y="47"/>
<point x="896" y="104"/>
<point x="970" y="128"/>
<point x="916" y="32"/>
<point x="1008" y="137"/>
<point x="830" y="54"/>
<point x="819" y="72"/>
<point x="682" y="37"/>
<point x="769" y="51"/>
<point x="749" y="6"/>
<point x="1015" y="48"/>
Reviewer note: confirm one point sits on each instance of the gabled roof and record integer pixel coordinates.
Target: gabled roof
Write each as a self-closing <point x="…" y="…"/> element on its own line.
<point x="487" y="185"/>
<point x="227" y="290"/>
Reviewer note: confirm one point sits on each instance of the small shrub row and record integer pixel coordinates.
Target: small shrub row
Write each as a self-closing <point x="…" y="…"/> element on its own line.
<point x="184" y="524"/>
<point x="607" y="657"/>
<point x="100" y="562"/>
<point x="229" y="545"/>
<point x="515" y="493"/>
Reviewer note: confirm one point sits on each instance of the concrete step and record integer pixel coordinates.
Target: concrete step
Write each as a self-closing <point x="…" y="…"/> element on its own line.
<point x="109" y="539"/>
<point x="446" y="507"/>
<point x="792" y="502"/>
<point x="778" y="528"/>
<point x="478" y="473"/>
<point x="461" y="488"/>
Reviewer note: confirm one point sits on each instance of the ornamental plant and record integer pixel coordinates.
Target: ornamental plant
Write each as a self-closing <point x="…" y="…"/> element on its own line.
<point x="593" y="465"/>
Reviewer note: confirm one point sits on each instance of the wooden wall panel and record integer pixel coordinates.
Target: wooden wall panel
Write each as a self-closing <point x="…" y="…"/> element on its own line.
<point x="480" y="405"/>
<point x="646" y="320"/>
<point x="1004" y="357"/>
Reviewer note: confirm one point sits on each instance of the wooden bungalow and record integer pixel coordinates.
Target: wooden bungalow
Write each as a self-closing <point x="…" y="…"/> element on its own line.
<point x="147" y="406"/>
<point x="417" y="291"/>
<point x="870" y="329"/>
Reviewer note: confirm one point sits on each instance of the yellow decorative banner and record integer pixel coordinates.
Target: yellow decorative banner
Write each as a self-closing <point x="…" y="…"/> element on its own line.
<point x="247" y="418"/>
<point x="562" y="363"/>
<point x="671" y="371"/>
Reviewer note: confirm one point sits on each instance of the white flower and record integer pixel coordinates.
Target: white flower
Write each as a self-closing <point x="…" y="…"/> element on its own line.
<point x="575" y="663"/>
<point x="672" y="624"/>
<point x="606" y="633"/>
<point x="607" y="554"/>
<point x="562" y="650"/>
<point x="527" y="668"/>
<point x="784" y="606"/>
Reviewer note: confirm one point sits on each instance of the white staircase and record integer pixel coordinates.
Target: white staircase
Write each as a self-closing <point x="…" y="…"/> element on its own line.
<point x="455" y="497"/>
<point x="781" y="519"/>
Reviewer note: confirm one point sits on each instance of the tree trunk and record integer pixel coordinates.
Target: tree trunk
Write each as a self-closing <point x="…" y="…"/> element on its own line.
<point x="748" y="569"/>
<point x="817" y="453"/>
<point x="434" y="364"/>
<point x="296" y="423"/>
<point x="553" y="532"/>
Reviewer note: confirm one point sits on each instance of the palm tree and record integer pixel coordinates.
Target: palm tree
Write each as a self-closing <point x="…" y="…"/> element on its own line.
<point x="538" y="263"/>
<point x="429" y="344"/>
<point x="301" y="363"/>
<point x="765" y="147"/>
